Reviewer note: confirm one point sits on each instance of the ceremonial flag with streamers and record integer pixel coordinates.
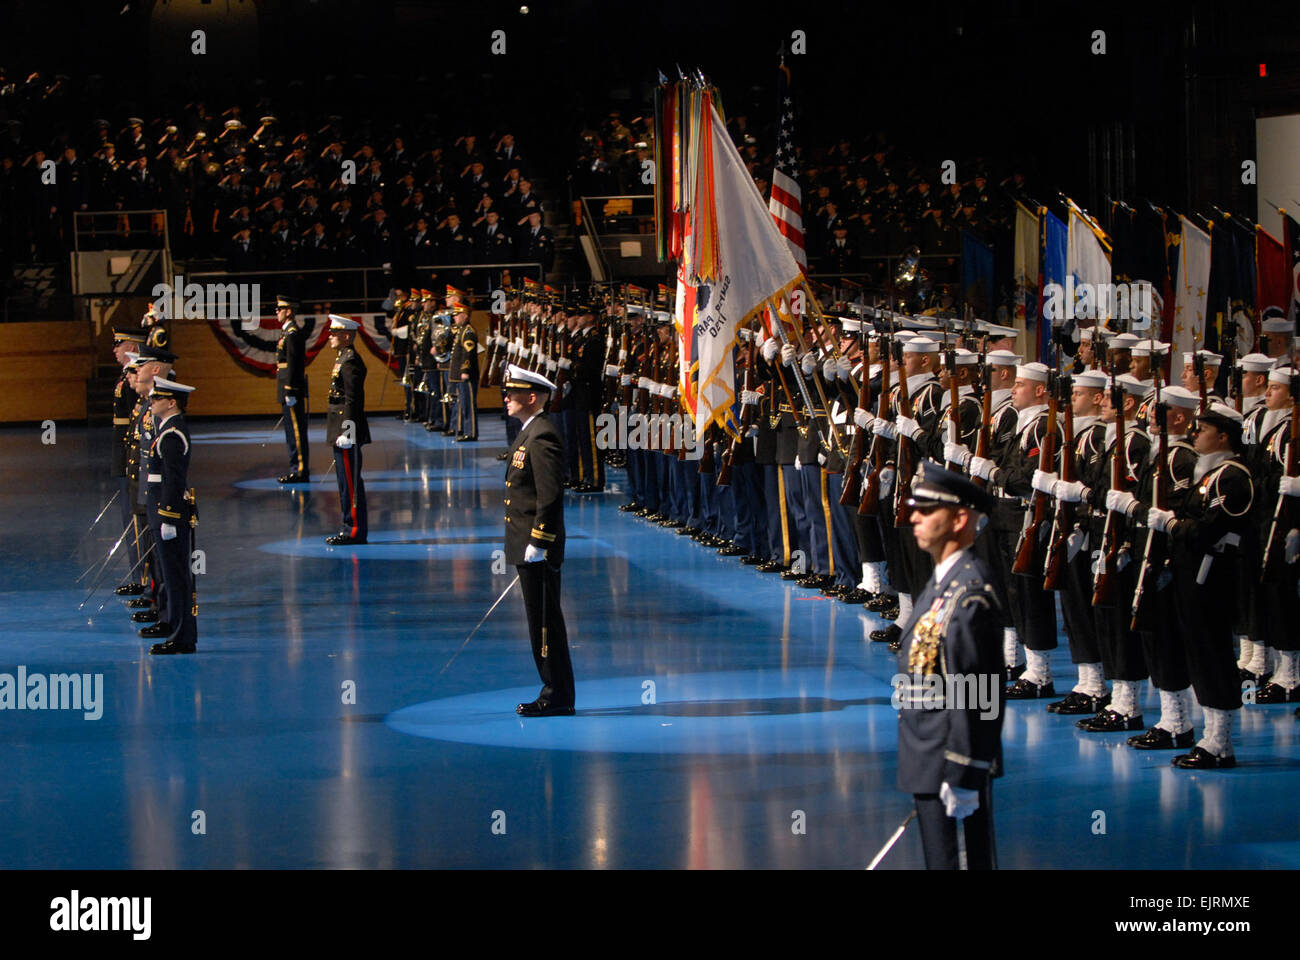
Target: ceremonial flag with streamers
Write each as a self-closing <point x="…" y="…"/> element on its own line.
<point x="254" y="349"/>
<point x="735" y="259"/>
<point x="1191" y="288"/>
<point x="1025" y="272"/>
<point x="977" y="274"/>
<point x="786" y="203"/>
<point x="1052" y="259"/>
<point x="1087" y="259"/>
<point x="1272" y="286"/>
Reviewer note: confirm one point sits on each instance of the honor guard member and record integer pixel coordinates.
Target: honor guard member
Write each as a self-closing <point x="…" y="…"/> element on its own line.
<point x="172" y="514"/>
<point x="587" y="373"/>
<point x="153" y="362"/>
<point x="401" y="328"/>
<point x="1276" y="333"/>
<point x="444" y="383"/>
<point x="428" y="405"/>
<point x="534" y="505"/>
<point x="1253" y="660"/>
<point x="949" y="682"/>
<point x="347" y="430"/>
<point x="464" y="373"/>
<point x="1210" y="375"/>
<point x="1204" y="533"/>
<point x="291" y="384"/>
<point x="155" y="330"/>
<point x="125" y="342"/>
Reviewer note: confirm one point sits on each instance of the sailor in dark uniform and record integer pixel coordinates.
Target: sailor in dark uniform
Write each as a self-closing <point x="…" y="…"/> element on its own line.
<point x="125" y="341"/>
<point x="949" y="684"/>
<point x="291" y="385"/>
<point x="152" y="362"/>
<point x="172" y="516"/>
<point x="347" y="430"/>
<point x="535" y="536"/>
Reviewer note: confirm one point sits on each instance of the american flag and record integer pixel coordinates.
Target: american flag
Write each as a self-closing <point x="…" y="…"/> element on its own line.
<point x="786" y="204"/>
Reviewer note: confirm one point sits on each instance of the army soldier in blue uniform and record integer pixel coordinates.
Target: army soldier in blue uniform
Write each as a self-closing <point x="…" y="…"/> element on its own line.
<point x="291" y="385"/>
<point x="347" y="430"/>
<point x="171" y="515"/>
<point x="950" y="676"/>
<point x="534" y="505"/>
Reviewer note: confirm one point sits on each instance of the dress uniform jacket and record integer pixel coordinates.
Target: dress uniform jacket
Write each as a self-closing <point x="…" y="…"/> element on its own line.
<point x="955" y="630"/>
<point x="347" y="399"/>
<point x="124" y="401"/>
<point x="534" y="499"/>
<point x="291" y="364"/>
<point x="464" y="353"/>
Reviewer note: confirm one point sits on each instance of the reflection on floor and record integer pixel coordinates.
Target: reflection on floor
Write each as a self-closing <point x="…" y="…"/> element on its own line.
<point x="720" y="710"/>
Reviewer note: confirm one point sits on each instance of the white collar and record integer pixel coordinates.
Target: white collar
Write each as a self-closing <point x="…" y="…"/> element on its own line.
<point x="942" y="569"/>
<point x="1028" y="415"/>
<point x="1250" y="403"/>
<point x="1001" y="396"/>
<point x="1083" y="423"/>
<point x="524" y="425"/>
<point x="917" y="381"/>
<point x="1207" y="462"/>
<point x="963" y="391"/>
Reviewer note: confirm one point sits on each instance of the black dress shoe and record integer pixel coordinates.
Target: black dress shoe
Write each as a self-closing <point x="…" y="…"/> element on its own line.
<point x="896" y="645"/>
<point x="699" y="536"/>
<point x="1013" y="673"/>
<point x="343" y="540"/>
<point x="447" y="431"/>
<point x="462" y="439"/>
<point x="687" y="531"/>
<point x="670" y="523"/>
<point x="429" y="428"/>
<point x="835" y="589"/>
<point x="145" y="616"/>
<point x="1024" y="689"/>
<point x="171" y="646"/>
<point x="882" y="602"/>
<point x="1276" y="693"/>
<point x="138" y="603"/>
<point x="772" y="566"/>
<point x="502" y="455"/>
<point x="154" y="631"/>
<point x="753" y="560"/>
<point x="731" y="550"/>
<point x="296" y="478"/>
<point x="645" y="512"/>
<point x="1202" y="759"/>
<point x="130" y="590"/>
<point x="891" y="634"/>
<point x="816" y="581"/>
<point x="855" y="595"/>
<point x="629" y="507"/>
<point x="891" y="612"/>
<point x="1079" y="703"/>
<point x="1158" y="738"/>
<point x="1110" y="721"/>
<point x="543" y="708"/>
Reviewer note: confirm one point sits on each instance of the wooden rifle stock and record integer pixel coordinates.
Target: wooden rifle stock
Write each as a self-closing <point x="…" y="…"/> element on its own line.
<point x="1027" y="559"/>
<point x="1105" y="579"/>
<point x="984" y="439"/>
<point x="1155" y="553"/>
<point x="1058" y="554"/>
<point x="561" y="345"/>
<point x="1284" y="511"/>
<point x="903" y="463"/>
<point x="869" y="506"/>
<point x="850" y="486"/>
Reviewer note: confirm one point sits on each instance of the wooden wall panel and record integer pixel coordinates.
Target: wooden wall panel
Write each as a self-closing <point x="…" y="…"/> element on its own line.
<point x="46" y="369"/>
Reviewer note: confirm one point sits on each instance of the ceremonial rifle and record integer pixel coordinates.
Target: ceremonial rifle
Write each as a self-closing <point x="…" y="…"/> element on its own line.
<point x="1063" y="521"/>
<point x="869" y="505"/>
<point x="954" y="400"/>
<point x="850" y="486"/>
<point x="747" y="414"/>
<point x="984" y="439"/>
<point x="903" y="462"/>
<point x="561" y="345"/>
<point x="1285" y="512"/>
<point x="1027" y="555"/>
<point x="1155" y="553"/>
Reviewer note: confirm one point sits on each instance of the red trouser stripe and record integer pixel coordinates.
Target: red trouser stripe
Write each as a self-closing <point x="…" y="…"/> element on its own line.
<point x="352" y="496"/>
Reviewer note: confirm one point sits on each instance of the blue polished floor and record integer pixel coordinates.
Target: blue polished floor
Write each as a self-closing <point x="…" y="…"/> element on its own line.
<point x="718" y="708"/>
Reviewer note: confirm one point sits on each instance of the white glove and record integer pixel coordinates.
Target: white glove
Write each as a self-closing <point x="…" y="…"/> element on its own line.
<point x="958" y="802"/>
<point x="1159" y="520"/>
<point x="983" y="468"/>
<point x="611" y="370"/>
<point x="797" y="464"/>
<point x="552" y="365"/>
<point x="1121" y="501"/>
<point x="887" y="482"/>
<point x="787" y="354"/>
<point x="290" y="401"/>
<point x="830" y="370"/>
<point x="845" y="367"/>
<point x="534" y="554"/>
<point x="1068" y="491"/>
<point x="343" y="443"/>
<point x="643" y="383"/>
<point x="748" y="398"/>
<point x="957" y="453"/>
<point x="883" y="428"/>
<point x="1292" y="546"/>
<point x="907" y="427"/>
<point x="625" y="380"/>
<point x="622" y="357"/>
<point x="1289" y="486"/>
<point x="168" y="531"/>
<point x="1043" y="481"/>
<point x="862" y="418"/>
<point x="808" y="363"/>
<point x="821" y="459"/>
<point x="769" y="349"/>
<point x="512" y="349"/>
<point x="564" y="363"/>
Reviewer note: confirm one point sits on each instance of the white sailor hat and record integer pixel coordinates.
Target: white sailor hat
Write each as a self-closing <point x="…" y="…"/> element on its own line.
<point x="1211" y="359"/>
<point x="921" y="345"/>
<point x="850" y="326"/>
<point x="162" y="387"/>
<point x="1086" y="333"/>
<point x="1124" y="341"/>
<point x="902" y="336"/>
<point x="1281" y="375"/>
<point x="1003" y="358"/>
<point x="1145" y="348"/>
<point x="966" y="357"/>
<point x="934" y="335"/>
<point x="996" y="331"/>
<point x="132" y="361"/>
<point x="1256" y="363"/>
<point x="1131" y="384"/>
<point x="1224" y="418"/>
<point x="517" y="378"/>
<point x="342" y="323"/>
<point x="1180" y="397"/>
<point x="1277" y="325"/>
<point x="1032" y="371"/>
<point x="1090" y="380"/>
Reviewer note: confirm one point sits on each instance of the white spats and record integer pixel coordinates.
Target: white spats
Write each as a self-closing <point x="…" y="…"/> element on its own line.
<point x="1038" y="669"/>
<point x="1287" y="675"/>
<point x="1175" y="710"/>
<point x="1010" y="647"/>
<point x="1091" y="681"/>
<point x="1247" y="651"/>
<point x="1124" y="697"/>
<point x="1259" y="660"/>
<point x="904" y="608"/>
<point x="1218" y="732"/>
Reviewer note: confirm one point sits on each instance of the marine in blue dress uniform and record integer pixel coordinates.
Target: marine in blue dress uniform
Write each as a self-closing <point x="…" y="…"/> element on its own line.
<point x="949" y="685"/>
<point x="534" y="505"/>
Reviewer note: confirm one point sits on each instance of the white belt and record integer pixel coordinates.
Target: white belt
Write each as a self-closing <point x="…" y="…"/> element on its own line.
<point x="153" y="478"/>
